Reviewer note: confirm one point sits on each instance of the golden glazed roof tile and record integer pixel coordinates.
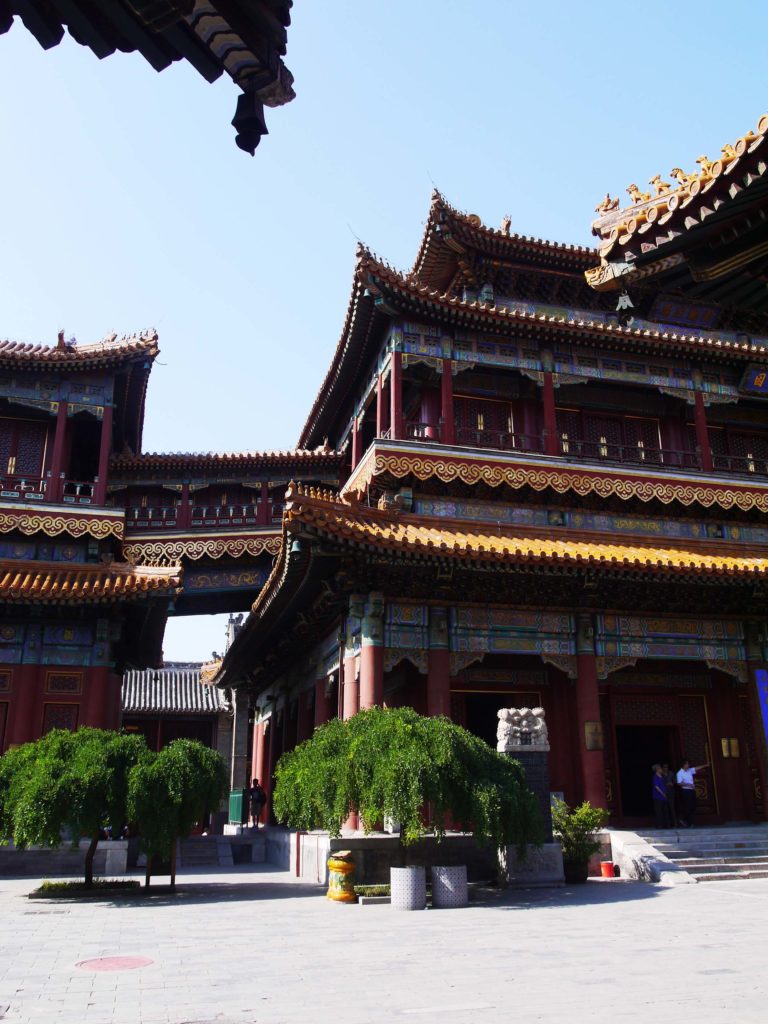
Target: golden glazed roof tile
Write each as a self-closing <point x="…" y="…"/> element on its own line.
<point x="359" y="525"/>
<point x="110" y="351"/>
<point x="51" y="582"/>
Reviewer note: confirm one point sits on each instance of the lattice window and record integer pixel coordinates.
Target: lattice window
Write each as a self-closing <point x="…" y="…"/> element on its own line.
<point x="641" y="440"/>
<point x="603" y="437"/>
<point x="5" y="680"/>
<point x="30" y="445"/>
<point x="3" y="719"/>
<point x="22" y="444"/>
<point x="751" y="451"/>
<point x="569" y="431"/>
<point x="718" y="444"/>
<point x="483" y="422"/>
<point x="60" y="716"/>
<point x="64" y="682"/>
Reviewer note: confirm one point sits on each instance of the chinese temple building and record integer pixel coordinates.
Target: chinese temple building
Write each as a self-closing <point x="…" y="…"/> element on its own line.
<point x="99" y="545"/>
<point x="555" y="494"/>
<point x="245" y="39"/>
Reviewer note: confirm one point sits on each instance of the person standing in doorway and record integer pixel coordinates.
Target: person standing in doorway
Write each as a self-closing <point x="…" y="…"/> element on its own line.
<point x="685" y="780"/>
<point x="257" y="798"/>
<point x="661" y="806"/>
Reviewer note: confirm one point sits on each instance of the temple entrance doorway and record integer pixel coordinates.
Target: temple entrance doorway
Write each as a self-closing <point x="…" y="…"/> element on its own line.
<point x="638" y="748"/>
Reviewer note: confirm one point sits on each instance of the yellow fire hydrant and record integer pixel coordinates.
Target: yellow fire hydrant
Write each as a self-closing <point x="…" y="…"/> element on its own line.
<point x="341" y="877"/>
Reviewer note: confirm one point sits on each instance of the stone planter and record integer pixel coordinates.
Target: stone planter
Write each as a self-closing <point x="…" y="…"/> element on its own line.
<point x="449" y="886"/>
<point x="408" y="887"/>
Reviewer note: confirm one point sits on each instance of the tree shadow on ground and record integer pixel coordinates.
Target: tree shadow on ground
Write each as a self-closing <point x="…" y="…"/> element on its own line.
<point x="592" y="893"/>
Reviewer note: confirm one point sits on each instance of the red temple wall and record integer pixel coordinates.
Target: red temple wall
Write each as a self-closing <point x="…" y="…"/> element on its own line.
<point x="38" y="698"/>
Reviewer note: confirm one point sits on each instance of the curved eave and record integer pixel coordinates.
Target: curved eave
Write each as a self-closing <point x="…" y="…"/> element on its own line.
<point x="226" y="461"/>
<point x="449" y="233"/>
<point x="21" y="355"/>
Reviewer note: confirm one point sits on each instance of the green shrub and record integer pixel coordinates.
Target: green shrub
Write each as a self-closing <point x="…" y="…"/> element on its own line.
<point x="395" y="763"/>
<point x="575" y="828"/>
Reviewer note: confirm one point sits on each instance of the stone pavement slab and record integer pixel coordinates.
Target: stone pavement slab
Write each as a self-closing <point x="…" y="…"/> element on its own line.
<point x="253" y="946"/>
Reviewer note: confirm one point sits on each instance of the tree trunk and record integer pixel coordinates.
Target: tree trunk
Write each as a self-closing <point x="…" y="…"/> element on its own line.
<point x="89" y="861"/>
<point x="402" y="851"/>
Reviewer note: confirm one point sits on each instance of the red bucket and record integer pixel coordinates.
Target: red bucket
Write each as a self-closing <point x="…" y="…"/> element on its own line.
<point x="606" y="869"/>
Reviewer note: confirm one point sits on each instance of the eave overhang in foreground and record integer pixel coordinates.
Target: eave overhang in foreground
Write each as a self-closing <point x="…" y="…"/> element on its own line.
<point x="419" y="460"/>
<point x="320" y="527"/>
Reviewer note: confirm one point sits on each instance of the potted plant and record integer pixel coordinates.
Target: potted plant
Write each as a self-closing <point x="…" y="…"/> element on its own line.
<point x="419" y="771"/>
<point x="575" y="827"/>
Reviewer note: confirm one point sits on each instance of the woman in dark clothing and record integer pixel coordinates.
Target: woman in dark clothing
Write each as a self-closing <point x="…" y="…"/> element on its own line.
<point x="661" y="807"/>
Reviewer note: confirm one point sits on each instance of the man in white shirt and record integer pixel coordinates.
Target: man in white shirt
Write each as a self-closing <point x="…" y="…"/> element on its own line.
<point x="685" y="780"/>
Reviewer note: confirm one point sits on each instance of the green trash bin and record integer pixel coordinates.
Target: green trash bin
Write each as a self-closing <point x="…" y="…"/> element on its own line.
<point x="238" y="807"/>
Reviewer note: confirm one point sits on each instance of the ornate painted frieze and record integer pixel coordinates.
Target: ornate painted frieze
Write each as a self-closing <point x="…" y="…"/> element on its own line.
<point x="198" y="581"/>
<point x="169" y="551"/>
<point x="666" y="488"/>
<point x="406" y="626"/>
<point x="628" y="636"/>
<point x="497" y="631"/>
<point x="496" y="512"/>
<point x="54" y="522"/>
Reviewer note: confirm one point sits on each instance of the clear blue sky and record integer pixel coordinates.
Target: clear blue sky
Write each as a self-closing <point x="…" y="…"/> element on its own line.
<point x="127" y="204"/>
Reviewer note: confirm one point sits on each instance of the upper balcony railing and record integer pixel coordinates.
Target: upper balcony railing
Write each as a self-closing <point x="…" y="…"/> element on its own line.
<point x="199" y="517"/>
<point x="23" y="488"/>
<point x="603" y="450"/>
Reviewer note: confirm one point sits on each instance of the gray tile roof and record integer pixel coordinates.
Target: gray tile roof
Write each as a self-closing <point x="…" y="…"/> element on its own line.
<point x="176" y="688"/>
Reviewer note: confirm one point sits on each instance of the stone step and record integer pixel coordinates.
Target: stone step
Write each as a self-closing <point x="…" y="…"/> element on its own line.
<point x="746" y="861"/>
<point x="693" y="844"/>
<point x="727" y="876"/>
<point x="694" y="865"/>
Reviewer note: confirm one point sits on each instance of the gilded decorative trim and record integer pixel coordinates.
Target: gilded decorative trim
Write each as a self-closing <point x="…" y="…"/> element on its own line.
<point x="167" y="552"/>
<point x="565" y="662"/>
<point x="737" y="669"/>
<point x="52" y="525"/>
<point x="605" y="666"/>
<point x="562" y="481"/>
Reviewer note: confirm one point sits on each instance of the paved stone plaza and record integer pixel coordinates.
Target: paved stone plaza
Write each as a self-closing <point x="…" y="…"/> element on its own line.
<point x="251" y="945"/>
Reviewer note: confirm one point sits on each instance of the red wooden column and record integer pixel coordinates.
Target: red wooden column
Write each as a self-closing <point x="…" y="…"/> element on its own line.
<point x="446" y="401"/>
<point x="396" y="396"/>
<point x="757" y="664"/>
<point x="53" y="487"/>
<point x="380" y="411"/>
<point x="100" y="490"/>
<point x="305" y="723"/>
<point x="323" y="710"/>
<point x="351" y="698"/>
<point x="184" y="512"/>
<point x="551" y="446"/>
<point x="265" y="514"/>
<point x="702" y="434"/>
<point x="588" y="720"/>
<point x="275" y="750"/>
<point x="438" y="664"/>
<point x="372" y="653"/>
<point x="23" y="722"/>
<point x="257" y="752"/>
<point x="355" y="442"/>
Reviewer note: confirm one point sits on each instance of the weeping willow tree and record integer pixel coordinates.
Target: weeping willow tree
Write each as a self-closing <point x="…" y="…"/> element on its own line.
<point x="423" y="772"/>
<point x="68" y="782"/>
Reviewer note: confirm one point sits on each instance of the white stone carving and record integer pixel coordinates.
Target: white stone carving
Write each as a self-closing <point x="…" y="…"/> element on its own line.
<point x="521" y="727"/>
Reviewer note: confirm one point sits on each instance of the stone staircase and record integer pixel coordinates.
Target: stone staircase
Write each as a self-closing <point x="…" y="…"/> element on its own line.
<point x="714" y="854"/>
<point x="221" y="851"/>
